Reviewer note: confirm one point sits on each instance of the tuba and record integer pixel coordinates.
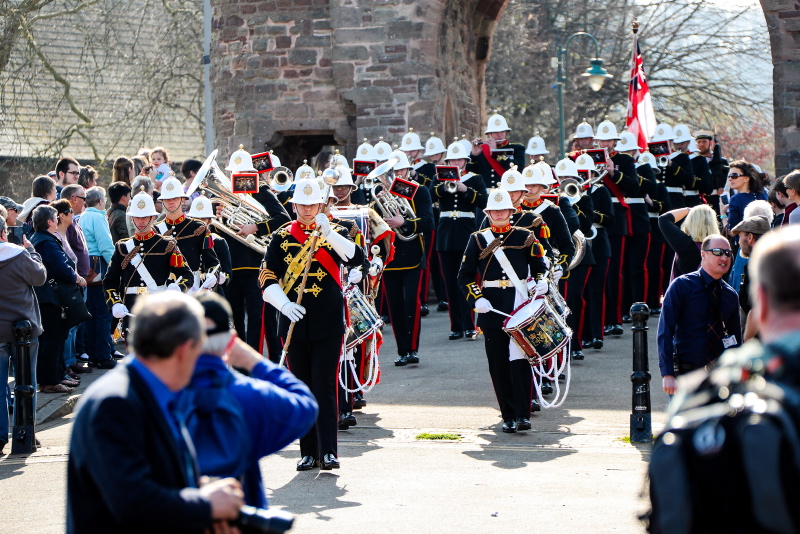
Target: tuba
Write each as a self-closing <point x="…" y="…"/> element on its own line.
<point x="388" y="204"/>
<point x="237" y="209"/>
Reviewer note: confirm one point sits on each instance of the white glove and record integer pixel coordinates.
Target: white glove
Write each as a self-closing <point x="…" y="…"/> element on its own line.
<point x="323" y="223"/>
<point x="540" y="288"/>
<point x="174" y="287"/>
<point x="344" y="247"/>
<point x="557" y="274"/>
<point x="209" y="282"/>
<point x="482" y="305"/>
<point x="222" y="278"/>
<point x="375" y="266"/>
<point x="119" y="310"/>
<point x="293" y="311"/>
<point x="192" y="290"/>
<point x="546" y="261"/>
<point x="354" y="276"/>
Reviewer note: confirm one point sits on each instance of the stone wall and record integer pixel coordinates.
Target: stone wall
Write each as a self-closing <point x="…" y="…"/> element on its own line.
<point x="294" y="75"/>
<point x="783" y="23"/>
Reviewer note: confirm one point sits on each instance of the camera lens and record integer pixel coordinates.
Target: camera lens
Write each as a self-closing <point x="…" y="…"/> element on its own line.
<point x="253" y="520"/>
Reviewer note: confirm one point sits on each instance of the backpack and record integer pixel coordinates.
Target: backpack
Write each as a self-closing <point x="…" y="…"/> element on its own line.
<point x="728" y="459"/>
<point x="216" y="423"/>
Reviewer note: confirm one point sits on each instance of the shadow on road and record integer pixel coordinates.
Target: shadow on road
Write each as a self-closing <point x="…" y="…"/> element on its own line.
<point x="328" y="495"/>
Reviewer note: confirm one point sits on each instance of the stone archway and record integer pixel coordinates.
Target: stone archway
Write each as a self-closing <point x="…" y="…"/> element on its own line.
<point x="783" y="23"/>
<point x="353" y="70"/>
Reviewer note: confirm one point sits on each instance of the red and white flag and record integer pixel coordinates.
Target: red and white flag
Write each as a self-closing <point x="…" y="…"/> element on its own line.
<point x="641" y="118"/>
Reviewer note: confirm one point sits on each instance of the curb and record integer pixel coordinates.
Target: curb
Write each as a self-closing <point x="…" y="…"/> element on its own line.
<point x="51" y="407"/>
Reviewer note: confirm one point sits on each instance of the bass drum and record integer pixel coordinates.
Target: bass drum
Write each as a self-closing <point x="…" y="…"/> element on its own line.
<point x="538" y="330"/>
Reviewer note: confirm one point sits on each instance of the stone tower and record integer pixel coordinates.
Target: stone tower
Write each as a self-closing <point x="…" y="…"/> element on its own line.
<point x="297" y="75"/>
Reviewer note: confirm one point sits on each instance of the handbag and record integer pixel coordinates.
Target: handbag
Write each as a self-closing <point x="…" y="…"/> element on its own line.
<point x="73" y="307"/>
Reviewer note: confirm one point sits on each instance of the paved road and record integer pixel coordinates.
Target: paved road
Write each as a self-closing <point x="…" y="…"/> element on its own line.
<point x="572" y="473"/>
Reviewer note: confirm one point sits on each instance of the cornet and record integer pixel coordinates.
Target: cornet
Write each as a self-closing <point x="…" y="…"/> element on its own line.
<point x="662" y="162"/>
<point x="451" y="186"/>
<point x="571" y="188"/>
<point x="280" y="179"/>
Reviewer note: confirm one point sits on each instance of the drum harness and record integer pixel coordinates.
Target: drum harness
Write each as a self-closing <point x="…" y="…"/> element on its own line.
<point x="539" y="372"/>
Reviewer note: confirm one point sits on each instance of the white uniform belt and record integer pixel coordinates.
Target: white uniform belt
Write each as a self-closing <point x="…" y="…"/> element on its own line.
<point x="635" y="200"/>
<point x="502" y="284"/>
<point x="674" y="190"/>
<point x="652" y="215"/>
<point x="614" y="200"/>
<point x="691" y="193"/>
<point x="596" y="225"/>
<point x="457" y="214"/>
<point x="143" y="290"/>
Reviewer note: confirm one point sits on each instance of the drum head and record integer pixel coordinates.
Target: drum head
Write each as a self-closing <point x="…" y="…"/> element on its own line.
<point x="528" y="309"/>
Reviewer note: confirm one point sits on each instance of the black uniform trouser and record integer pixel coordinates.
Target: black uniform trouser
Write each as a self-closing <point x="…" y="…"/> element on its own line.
<point x="666" y="265"/>
<point x="435" y="273"/>
<point x="316" y="363"/>
<point x="431" y="262"/>
<point x="512" y="381"/>
<point x="614" y="280"/>
<point x="346" y="399"/>
<point x="655" y="273"/>
<point x="50" y="367"/>
<point x="635" y="272"/>
<point x="693" y="200"/>
<point x="595" y="299"/>
<point x="575" y="285"/>
<point x="244" y="296"/>
<point x="402" y="295"/>
<point x="460" y="316"/>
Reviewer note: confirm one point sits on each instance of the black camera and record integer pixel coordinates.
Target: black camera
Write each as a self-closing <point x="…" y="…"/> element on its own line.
<point x="253" y="520"/>
<point x="15" y="234"/>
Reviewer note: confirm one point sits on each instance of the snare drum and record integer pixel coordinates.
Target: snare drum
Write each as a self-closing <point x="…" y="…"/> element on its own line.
<point x="538" y="330"/>
<point x="556" y="300"/>
<point x="364" y="320"/>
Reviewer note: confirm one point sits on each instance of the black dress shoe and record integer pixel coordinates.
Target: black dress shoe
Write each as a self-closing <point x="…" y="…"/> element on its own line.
<point x="655" y="311"/>
<point x="456" y="335"/>
<point x="607" y="329"/>
<point x="562" y="377"/>
<point x="386" y="319"/>
<point x="616" y="330"/>
<point x="547" y="388"/>
<point x="627" y="319"/>
<point x="442" y="307"/>
<point x="358" y="401"/>
<point x="346" y="420"/>
<point x="523" y="423"/>
<point x="105" y="364"/>
<point x="412" y="357"/>
<point x="535" y="407"/>
<point x="577" y="355"/>
<point x="509" y="426"/>
<point x="423" y="310"/>
<point x="307" y="463"/>
<point x="470" y="334"/>
<point x="329" y="462"/>
<point x="401" y="360"/>
<point x="597" y="343"/>
<point x="586" y="344"/>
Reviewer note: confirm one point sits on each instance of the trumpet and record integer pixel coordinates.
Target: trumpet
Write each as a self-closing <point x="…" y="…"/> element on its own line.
<point x="280" y="179"/>
<point x="389" y="204"/>
<point x="662" y="162"/>
<point x="571" y="188"/>
<point x="451" y="186"/>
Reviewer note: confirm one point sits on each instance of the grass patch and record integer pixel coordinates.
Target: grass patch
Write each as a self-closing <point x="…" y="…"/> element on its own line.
<point x="442" y="435"/>
<point x="627" y="439"/>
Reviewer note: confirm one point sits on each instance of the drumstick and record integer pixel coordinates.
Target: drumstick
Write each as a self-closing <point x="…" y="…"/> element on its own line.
<point x="498" y="311"/>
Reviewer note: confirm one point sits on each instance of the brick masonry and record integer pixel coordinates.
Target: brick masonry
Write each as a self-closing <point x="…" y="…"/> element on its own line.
<point x="783" y="23"/>
<point x="349" y="69"/>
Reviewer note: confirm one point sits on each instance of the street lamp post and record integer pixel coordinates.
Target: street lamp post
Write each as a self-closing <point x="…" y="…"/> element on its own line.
<point x="596" y="75"/>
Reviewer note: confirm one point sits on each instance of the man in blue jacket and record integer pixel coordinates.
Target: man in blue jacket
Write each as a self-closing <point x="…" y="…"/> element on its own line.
<point x="276" y="407"/>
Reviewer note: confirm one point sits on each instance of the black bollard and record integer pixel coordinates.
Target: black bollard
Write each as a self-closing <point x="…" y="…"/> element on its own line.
<point x="641" y="425"/>
<point x="23" y="438"/>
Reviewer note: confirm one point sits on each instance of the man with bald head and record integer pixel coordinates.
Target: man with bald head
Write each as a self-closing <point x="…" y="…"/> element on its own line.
<point x="700" y="315"/>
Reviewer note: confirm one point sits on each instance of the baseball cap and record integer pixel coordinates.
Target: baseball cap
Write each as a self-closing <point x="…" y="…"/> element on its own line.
<point x="753" y="225"/>
<point x="218" y="311"/>
<point x="9" y="204"/>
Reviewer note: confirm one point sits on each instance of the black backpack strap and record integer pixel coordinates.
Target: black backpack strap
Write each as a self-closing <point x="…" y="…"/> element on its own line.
<point x="668" y="479"/>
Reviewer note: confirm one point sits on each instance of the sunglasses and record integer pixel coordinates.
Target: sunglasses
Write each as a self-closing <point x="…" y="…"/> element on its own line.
<point x="76" y="196"/>
<point x="719" y="251"/>
<point x="734" y="175"/>
<point x="74" y="172"/>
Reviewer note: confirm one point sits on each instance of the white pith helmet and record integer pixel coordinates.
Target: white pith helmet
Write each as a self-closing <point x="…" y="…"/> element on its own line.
<point x="307" y="192"/>
<point x="172" y="188"/>
<point x="202" y="208"/>
<point x="142" y="205"/>
<point x="512" y="180"/>
<point x="499" y="199"/>
<point x="240" y="161"/>
<point x="497" y="123"/>
<point x="411" y="142"/>
<point x="536" y="147"/>
<point x="434" y="146"/>
<point x="566" y="168"/>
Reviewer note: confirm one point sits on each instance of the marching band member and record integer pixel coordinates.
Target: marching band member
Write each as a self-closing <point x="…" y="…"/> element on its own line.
<point x="203" y="211"/>
<point x="584" y="139"/>
<point x="657" y="203"/>
<point x="678" y="171"/>
<point x="434" y="152"/>
<point x="560" y="238"/>
<point x="493" y="274"/>
<point x="602" y="219"/>
<point x="143" y="264"/>
<point x="695" y="174"/>
<point x="456" y="223"/>
<point x="489" y="163"/>
<point x="365" y="152"/>
<point x="313" y="351"/>
<point x="367" y="278"/>
<point x="637" y="243"/>
<point x="579" y="275"/>
<point x="709" y="148"/>
<point x="382" y="151"/>
<point x="193" y="236"/>
<point x="536" y="150"/>
<point x="622" y="181"/>
<point x="404" y="276"/>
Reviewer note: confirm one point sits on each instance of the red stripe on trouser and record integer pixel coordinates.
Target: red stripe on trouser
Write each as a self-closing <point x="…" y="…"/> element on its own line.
<point x="263" y="334"/>
<point x="449" y="298"/>
<point x="646" y="270"/>
<point x="417" y="319"/>
<point x="579" y="333"/>
<point x="619" y="278"/>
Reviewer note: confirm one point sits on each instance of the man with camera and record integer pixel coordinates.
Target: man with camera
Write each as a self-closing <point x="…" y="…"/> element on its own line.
<point x="131" y="464"/>
<point x="20" y="268"/>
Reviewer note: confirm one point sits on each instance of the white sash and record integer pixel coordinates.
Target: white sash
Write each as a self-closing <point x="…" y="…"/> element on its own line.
<point x="162" y="227"/>
<point x="138" y="262"/>
<point x="501" y="258"/>
<point x="467" y="176"/>
<point x="543" y="206"/>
